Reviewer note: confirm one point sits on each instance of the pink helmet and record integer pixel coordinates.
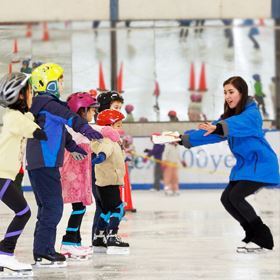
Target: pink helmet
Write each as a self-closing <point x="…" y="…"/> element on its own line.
<point x="79" y="100"/>
<point x="129" y="108"/>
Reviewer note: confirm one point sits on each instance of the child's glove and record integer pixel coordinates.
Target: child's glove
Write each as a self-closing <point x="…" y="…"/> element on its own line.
<point x="40" y="134"/>
<point x="99" y="158"/>
<point x="109" y="132"/>
<point x="90" y="133"/>
<point x="79" y="153"/>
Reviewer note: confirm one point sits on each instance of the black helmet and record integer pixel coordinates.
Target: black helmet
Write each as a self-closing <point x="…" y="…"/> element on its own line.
<point x="106" y="98"/>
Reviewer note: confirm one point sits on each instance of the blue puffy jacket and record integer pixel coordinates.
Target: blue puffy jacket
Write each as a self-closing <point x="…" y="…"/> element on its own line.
<point x="255" y="159"/>
<point x="51" y="115"/>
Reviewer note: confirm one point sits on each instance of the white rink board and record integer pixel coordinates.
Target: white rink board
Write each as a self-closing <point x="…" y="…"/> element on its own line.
<point x="206" y="164"/>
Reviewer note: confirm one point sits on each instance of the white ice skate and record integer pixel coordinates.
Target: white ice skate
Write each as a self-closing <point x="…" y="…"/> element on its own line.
<point x="87" y="249"/>
<point x="73" y="252"/>
<point x="250" y="248"/>
<point x="14" y="268"/>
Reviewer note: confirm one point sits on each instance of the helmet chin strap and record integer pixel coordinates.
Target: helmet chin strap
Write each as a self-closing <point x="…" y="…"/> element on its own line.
<point x="53" y="89"/>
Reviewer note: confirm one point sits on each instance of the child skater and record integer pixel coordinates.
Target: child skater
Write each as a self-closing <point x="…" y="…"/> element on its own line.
<point x="256" y="163"/>
<point x="76" y="178"/>
<point x="45" y="158"/>
<point x="109" y="172"/>
<point x="18" y="124"/>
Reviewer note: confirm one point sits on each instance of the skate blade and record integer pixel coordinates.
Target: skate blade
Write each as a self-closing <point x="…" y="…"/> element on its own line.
<point x="99" y="250"/>
<point x="118" y="251"/>
<point x="244" y="250"/>
<point x="9" y="273"/>
<point x="70" y="257"/>
<point x="49" y="264"/>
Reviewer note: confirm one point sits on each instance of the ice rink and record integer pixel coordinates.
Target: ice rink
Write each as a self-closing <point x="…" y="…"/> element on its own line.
<point x="189" y="236"/>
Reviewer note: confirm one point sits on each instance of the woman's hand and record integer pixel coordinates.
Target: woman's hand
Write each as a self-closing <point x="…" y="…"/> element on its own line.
<point x="208" y="127"/>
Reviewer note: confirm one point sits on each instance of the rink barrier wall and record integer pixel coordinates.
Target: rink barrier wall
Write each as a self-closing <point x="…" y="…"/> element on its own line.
<point x="210" y="186"/>
<point x="67" y="10"/>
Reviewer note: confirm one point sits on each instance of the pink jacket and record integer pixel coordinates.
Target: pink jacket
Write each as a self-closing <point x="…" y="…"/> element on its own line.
<point x="76" y="175"/>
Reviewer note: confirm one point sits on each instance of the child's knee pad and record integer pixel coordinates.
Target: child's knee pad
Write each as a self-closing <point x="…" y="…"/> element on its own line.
<point x="118" y="212"/>
<point x="105" y="217"/>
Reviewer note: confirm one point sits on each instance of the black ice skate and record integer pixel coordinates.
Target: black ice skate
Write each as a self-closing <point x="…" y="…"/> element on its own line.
<point x="99" y="242"/>
<point x="115" y="246"/>
<point x="51" y="260"/>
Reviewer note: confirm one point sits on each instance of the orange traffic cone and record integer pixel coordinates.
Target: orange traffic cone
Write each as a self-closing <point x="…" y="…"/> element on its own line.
<point x="102" y="85"/>
<point x="120" y="79"/>
<point x="15" y="58"/>
<point x="192" y="78"/>
<point x="46" y="35"/>
<point x="15" y="49"/>
<point x="126" y="192"/>
<point x="10" y="68"/>
<point x="28" y="33"/>
<point x="202" y="81"/>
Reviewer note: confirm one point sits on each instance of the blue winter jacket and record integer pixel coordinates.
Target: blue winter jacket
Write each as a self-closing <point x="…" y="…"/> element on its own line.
<point x="255" y="159"/>
<point x="51" y="115"/>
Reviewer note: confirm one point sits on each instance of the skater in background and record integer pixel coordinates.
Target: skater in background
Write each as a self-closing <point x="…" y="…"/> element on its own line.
<point x="76" y="178"/>
<point x="129" y="115"/>
<point x="109" y="172"/>
<point x="171" y="163"/>
<point x="25" y="67"/>
<point x="173" y="116"/>
<point x="272" y="89"/>
<point x="45" y="158"/>
<point x="184" y="31"/>
<point x="253" y="31"/>
<point x="199" y="23"/>
<point x="256" y="163"/>
<point x="259" y="95"/>
<point x="228" y="32"/>
<point x="110" y="100"/>
<point x="129" y="150"/>
<point x="18" y="125"/>
<point x="156" y="152"/>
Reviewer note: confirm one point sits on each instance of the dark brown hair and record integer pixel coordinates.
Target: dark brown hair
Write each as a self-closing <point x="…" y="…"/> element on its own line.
<point x="238" y="83"/>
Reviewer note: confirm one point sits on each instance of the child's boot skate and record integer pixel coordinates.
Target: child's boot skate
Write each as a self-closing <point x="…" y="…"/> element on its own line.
<point x="50" y="260"/>
<point x="115" y="246"/>
<point x="74" y="252"/>
<point x="99" y="242"/>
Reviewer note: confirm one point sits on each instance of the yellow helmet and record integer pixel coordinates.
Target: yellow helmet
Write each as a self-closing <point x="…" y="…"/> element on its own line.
<point x="43" y="76"/>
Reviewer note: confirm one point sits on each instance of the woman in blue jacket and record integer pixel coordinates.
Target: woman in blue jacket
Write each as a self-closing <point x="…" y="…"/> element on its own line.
<point x="256" y="163"/>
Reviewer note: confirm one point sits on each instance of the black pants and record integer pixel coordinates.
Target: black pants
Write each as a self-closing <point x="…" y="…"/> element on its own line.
<point x="233" y="199"/>
<point x="112" y="208"/>
<point x="73" y="234"/>
<point x="12" y="196"/>
<point x="158" y="175"/>
<point x="98" y="208"/>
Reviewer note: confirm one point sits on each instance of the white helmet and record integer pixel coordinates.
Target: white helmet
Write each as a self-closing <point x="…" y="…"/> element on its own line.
<point x="10" y="87"/>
